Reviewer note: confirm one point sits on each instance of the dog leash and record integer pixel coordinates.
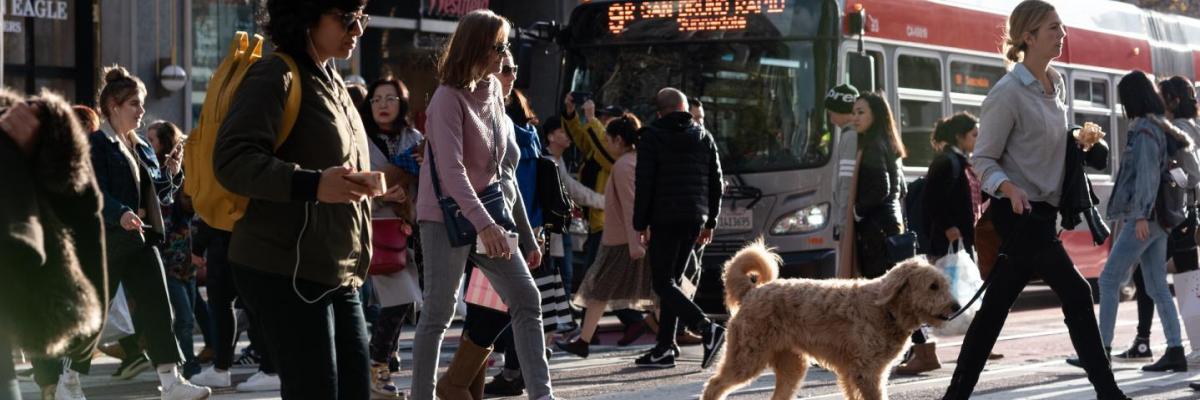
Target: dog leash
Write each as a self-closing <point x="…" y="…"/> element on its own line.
<point x="978" y="293"/>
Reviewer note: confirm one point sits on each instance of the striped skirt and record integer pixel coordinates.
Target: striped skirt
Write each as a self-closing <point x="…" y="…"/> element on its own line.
<point x="556" y="310"/>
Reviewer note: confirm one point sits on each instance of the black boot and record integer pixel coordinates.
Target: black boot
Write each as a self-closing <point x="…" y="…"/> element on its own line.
<point x="1173" y="360"/>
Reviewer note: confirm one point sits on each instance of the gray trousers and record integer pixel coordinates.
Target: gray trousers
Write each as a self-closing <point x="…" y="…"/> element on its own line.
<point x="444" y="266"/>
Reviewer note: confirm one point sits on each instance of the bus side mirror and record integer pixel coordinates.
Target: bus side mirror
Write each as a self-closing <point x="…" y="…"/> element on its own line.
<point x="860" y="71"/>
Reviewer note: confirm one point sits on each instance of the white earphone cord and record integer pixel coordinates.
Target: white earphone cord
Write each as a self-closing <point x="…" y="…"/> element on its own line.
<point x="296" y="270"/>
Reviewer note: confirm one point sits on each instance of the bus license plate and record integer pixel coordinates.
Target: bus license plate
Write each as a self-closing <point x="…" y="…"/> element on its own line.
<point x="736" y="220"/>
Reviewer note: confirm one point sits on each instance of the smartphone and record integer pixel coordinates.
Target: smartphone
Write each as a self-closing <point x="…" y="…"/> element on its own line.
<point x="372" y="179"/>
<point x="513" y="243"/>
<point x="580" y="97"/>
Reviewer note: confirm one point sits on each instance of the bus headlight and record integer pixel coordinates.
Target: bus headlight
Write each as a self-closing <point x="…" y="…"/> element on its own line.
<point x="804" y="220"/>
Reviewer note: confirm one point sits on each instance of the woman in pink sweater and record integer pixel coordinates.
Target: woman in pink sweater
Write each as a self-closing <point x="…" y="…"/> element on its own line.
<point x="467" y="132"/>
<point x="619" y="278"/>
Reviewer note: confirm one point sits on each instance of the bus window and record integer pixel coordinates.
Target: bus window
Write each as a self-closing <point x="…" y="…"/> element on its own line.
<point x="865" y="73"/>
<point x="972" y="78"/>
<point x="1091" y="92"/>
<point x="917" y="72"/>
<point x="974" y="110"/>
<point x="1105" y="122"/>
<point x="916" y="124"/>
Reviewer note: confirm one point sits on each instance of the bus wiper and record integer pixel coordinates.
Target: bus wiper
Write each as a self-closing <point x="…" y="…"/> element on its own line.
<point x="739" y="190"/>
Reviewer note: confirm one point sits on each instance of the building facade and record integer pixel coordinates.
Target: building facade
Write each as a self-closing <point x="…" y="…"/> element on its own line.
<point x="63" y="45"/>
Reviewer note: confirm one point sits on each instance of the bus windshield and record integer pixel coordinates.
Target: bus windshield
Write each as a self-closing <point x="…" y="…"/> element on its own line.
<point x="761" y="85"/>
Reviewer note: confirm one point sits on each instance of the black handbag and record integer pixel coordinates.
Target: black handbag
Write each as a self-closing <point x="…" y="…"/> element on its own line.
<point x="556" y="206"/>
<point x="901" y="246"/>
<point x="459" y="229"/>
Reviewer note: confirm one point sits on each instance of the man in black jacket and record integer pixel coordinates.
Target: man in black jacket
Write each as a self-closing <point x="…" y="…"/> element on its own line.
<point x="677" y="198"/>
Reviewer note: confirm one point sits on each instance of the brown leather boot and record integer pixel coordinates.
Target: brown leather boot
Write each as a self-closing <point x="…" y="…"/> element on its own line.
<point x="477" y="383"/>
<point x="468" y="361"/>
<point x="924" y="359"/>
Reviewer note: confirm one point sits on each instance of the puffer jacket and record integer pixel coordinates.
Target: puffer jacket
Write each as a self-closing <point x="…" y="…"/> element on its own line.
<point x="1136" y="187"/>
<point x="678" y="174"/>
<point x="880" y="182"/>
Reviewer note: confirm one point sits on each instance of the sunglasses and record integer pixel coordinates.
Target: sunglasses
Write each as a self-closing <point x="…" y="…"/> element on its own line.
<point x="501" y="48"/>
<point x="350" y="18"/>
<point x="509" y="70"/>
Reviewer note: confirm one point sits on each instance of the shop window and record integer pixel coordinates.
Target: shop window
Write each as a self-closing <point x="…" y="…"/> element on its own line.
<point x="54" y="41"/>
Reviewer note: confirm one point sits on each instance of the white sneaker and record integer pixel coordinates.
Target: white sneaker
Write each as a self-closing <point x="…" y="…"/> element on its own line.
<point x="1193" y="358"/>
<point x="69" y="387"/>
<point x="181" y="389"/>
<point x="260" y="382"/>
<point x="212" y="378"/>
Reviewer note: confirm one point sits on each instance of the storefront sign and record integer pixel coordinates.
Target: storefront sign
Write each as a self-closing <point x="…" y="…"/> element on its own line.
<point x="454" y="8"/>
<point x="45" y="9"/>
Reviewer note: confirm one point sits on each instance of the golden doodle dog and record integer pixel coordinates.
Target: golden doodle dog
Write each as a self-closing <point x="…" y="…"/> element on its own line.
<point x="853" y="327"/>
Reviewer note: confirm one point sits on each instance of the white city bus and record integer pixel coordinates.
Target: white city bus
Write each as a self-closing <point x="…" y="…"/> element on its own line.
<point x="762" y="67"/>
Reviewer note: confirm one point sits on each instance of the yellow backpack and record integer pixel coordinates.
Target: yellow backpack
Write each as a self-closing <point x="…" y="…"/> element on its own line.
<point x="217" y="206"/>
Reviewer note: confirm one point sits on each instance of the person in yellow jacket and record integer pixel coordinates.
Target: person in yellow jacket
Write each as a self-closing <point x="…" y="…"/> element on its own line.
<point x="587" y="130"/>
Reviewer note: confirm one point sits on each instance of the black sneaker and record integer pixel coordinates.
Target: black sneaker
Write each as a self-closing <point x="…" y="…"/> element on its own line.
<point x="1138" y="351"/>
<point x="657" y="358"/>
<point x="249" y="358"/>
<point x="504" y="387"/>
<point x="714" y="341"/>
<point x="577" y="347"/>
<point x="135" y="366"/>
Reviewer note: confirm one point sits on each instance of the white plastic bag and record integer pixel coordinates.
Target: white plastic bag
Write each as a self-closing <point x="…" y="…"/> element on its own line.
<point x="119" y="324"/>
<point x="1187" y="294"/>
<point x="964" y="279"/>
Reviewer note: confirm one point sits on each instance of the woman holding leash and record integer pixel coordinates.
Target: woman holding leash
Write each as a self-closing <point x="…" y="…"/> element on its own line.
<point x="1019" y="159"/>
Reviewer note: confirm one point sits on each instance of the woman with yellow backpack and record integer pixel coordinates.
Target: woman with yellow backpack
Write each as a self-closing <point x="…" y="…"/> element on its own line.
<point x="300" y="247"/>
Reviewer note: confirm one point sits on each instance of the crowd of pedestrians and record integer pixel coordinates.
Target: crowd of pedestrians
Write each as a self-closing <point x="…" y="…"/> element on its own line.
<point x="351" y="222"/>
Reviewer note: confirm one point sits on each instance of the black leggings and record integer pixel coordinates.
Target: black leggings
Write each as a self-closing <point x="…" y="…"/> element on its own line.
<point x="221" y="294"/>
<point x="1031" y="244"/>
<point x="385" y="333"/>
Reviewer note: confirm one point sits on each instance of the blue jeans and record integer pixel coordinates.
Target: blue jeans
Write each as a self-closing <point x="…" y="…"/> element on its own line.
<point x="183" y="301"/>
<point x="1127" y="250"/>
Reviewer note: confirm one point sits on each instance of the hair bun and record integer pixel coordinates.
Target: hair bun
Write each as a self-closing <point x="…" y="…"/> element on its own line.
<point x="115" y="73"/>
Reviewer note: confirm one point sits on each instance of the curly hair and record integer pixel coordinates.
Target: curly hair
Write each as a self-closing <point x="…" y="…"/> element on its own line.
<point x="286" y="22"/>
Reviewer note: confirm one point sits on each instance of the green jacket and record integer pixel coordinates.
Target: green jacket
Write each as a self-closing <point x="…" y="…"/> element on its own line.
<point x="284" y="218"/>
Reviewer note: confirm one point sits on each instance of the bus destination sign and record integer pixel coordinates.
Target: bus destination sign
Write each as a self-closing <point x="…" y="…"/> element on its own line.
<point x="692" y="15"/>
